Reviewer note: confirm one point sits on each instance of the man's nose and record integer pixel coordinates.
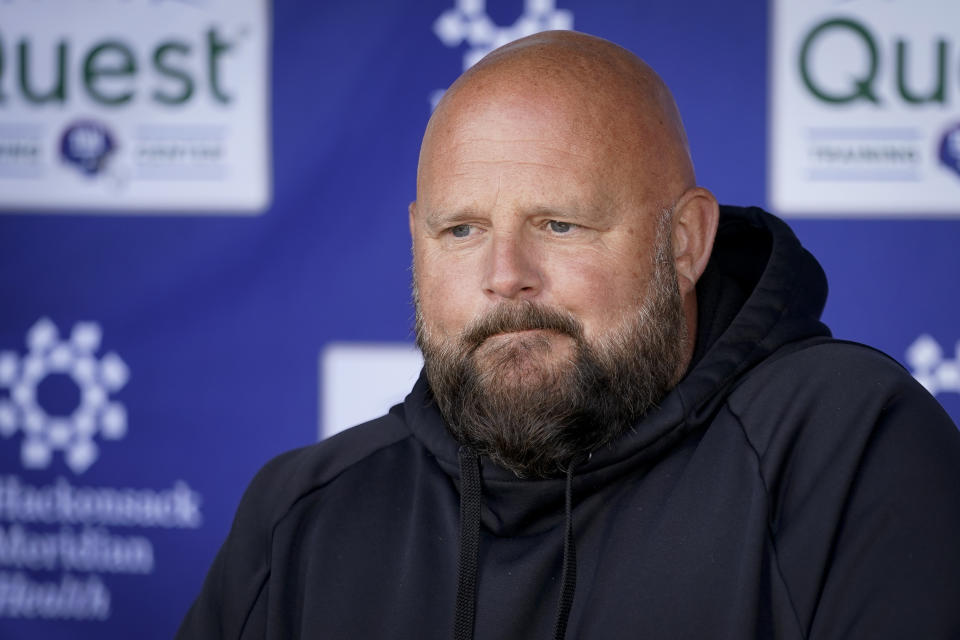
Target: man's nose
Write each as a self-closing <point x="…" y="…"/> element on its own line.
<point x="512" y="270"/>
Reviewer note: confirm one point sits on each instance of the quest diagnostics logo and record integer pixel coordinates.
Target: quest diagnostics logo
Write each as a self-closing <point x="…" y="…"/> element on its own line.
<point x="72" y="368"/>
<point x="906" y="70"/>
<point x="163" y="107"/>
<point x="864" y="103"/>
<point x="468" y="22"/>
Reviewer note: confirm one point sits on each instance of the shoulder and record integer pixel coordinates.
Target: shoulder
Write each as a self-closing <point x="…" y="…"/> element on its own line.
<point x="237" y="578"/>
<point x="830" y="383"/>
<point x="824" y="409"/>
<point x="855" y="456"/>
<point x="824" y="365"/>
<point x="289" y="476"/>
<point x="821" y="415"/>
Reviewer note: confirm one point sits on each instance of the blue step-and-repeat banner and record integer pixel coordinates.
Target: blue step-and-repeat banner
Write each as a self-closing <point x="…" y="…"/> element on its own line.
<point x="204" y="254"/>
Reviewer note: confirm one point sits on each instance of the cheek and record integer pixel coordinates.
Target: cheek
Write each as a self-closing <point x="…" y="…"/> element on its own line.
<point x="443" y="289"/>
<point x="600" y="292"/>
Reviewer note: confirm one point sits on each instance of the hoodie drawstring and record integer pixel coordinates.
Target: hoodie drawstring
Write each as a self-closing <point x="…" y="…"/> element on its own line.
<point x="469" y="544"/>
<point x="470" y="503"/>
<point x="569" y="580"/>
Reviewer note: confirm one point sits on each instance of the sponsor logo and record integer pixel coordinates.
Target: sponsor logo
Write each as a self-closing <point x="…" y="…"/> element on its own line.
<point x="162" y="108"/>
<point x="117" y="73"/>
<point x="71" y="430"/>
<point x="861" y="97"/>
<point x="859" y="73"/>
<point x="61" y="541"/>
<point x="65" y="528"/>
<point x="468" y="22"/>
<point x="931" y="368"/>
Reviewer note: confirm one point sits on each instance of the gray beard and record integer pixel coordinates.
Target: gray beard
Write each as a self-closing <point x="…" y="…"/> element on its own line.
<point x="533" y="417"/>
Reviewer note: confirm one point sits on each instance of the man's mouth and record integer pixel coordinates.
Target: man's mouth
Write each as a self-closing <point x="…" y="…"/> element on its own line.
<point x="522" y="338"/>
<point x="520" y="332"/>
<point x="525" y="333"/>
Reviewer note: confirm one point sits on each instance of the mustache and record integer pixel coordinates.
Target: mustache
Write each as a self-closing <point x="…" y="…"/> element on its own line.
<point x="525" y="316"/>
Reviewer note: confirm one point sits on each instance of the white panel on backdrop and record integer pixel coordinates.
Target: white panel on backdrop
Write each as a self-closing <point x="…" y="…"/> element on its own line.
<point x="134" y="105"/>
<point x="360" y="381"/>
<point x="865" y="107"/>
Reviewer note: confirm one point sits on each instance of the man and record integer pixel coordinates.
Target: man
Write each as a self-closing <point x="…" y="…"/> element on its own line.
<point x="631" y="423"/>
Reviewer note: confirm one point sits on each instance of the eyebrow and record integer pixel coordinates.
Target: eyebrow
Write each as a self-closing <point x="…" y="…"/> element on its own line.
<point x="574" y="213"/>
<point x="438" y="219"/>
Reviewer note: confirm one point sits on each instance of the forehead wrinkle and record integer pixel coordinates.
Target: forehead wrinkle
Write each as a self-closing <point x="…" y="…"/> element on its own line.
<point x="533" y="156"/>
<point x="521" y="163"/>
<point x="532" y="144"/>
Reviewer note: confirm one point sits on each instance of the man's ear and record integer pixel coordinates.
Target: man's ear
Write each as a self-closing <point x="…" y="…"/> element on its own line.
<point x="695" y="219"/>
<point x="412" y="209"/>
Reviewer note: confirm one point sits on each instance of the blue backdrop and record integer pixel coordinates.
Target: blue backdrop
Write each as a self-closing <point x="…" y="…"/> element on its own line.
<point x="220" y="320"/>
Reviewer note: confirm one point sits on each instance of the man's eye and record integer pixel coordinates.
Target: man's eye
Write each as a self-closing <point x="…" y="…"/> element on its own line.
<point x="560" y="227"/>
<point x="460" y="231"/>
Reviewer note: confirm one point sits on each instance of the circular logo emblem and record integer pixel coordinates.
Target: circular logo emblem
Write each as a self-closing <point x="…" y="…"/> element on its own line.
<point x="950" y="149"/>
<point x="86" y="144"/>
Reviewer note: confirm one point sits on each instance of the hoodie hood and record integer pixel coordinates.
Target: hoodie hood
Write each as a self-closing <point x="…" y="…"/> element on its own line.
<point x="761" y="290"/>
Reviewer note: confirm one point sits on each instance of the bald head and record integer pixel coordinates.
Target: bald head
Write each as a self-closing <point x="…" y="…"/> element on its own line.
<point x="599" y="97"/>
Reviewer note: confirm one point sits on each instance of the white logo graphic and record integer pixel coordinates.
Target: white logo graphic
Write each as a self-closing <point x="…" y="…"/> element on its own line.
<point x="96" y="379"/>
<point x="931" y="369"/>
<point x="468" y="21"/>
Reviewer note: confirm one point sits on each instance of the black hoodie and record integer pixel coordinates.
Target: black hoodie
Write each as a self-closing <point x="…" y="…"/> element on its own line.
<point x="790" y="486"/>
